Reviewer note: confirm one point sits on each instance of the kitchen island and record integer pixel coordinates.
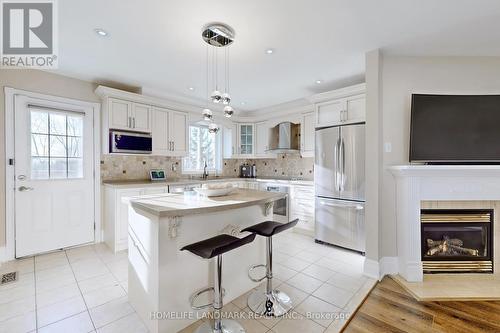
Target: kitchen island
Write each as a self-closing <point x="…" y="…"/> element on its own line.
<point x="161" y="277"/>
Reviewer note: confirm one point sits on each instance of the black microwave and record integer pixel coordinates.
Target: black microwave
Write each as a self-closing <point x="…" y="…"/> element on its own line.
<point x="129" y="142"/>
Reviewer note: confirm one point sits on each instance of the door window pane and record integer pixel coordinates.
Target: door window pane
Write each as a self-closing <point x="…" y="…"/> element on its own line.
<point x="40" y="145"/>
<point x="39" y="122"/>
<point x="39" y="168"/>
<point x="56" y="145"/>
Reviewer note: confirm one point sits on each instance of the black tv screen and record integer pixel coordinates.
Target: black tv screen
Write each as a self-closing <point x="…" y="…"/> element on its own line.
<point x="455" y="128"/>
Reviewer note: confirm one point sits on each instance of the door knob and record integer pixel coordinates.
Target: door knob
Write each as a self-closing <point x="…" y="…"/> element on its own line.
<point x="21" y="177"/>
<point x="25" y="188"/>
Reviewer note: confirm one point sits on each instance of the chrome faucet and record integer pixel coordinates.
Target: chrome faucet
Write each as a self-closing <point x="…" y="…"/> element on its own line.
<point x="205" y="172"/>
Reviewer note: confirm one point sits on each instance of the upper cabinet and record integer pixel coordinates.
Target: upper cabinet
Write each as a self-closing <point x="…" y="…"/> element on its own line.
<point x="169" y="132"/>
<point x="130" y="116"/>
<point x="262" y="139"/>
<point x="339" y="107"/>
<point x="141" y="117"/>
<point x="307" y="135"/>
<point x="136" y="113"/>
<point x="246" y="140"/>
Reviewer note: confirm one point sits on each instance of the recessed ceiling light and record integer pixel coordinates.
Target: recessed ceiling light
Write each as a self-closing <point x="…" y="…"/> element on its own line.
<point x="243" y="103"/>
<point x="191" y="88"/>
<point x="319" y="82"/>
<point x="101" y="32"/>
<point x="269" y="51"/>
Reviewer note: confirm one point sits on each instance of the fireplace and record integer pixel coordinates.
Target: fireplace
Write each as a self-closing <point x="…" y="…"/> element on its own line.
<point x="457" y="240"/>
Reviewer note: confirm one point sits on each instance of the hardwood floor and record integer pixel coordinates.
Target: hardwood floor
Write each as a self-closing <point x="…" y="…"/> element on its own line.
<point x="389" y="308"/>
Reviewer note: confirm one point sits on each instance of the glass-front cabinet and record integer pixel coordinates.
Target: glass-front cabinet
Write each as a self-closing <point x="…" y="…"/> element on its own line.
<point x="246" y="139"/>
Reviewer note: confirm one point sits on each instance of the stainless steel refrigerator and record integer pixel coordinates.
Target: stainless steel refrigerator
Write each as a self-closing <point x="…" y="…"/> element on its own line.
<point x="339" y="178"/>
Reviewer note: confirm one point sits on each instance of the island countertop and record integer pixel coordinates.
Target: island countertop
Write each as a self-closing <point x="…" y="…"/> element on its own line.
<point x="181" y="204"/>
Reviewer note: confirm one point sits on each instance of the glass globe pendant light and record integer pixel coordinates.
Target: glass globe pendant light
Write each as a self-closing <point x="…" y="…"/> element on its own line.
<point x="228" y="111"/>
<point x="213" y="128"/>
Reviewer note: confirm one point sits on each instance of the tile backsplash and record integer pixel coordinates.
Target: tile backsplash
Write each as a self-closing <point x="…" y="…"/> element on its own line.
<point x="127" y="167"/>
<point x="133" y="167"/>
<point x="284" y="165"/>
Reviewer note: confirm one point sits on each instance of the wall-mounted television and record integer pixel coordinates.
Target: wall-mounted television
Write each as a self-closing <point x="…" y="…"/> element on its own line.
<point x="455" y="129"/>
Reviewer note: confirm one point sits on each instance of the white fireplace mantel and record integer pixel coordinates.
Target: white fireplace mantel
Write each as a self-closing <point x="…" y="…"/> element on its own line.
<point x="415" y="183"/>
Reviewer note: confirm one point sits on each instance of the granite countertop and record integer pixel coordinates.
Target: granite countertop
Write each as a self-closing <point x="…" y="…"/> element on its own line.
<point x="173" y="204"/>
<point x="187" y="181"/>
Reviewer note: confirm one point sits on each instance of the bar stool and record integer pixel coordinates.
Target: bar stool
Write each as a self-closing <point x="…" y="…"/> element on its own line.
<point x="207" y="249"/>
<point x="272" y="302"/>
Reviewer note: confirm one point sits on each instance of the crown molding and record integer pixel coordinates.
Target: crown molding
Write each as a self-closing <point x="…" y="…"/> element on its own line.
<point x="338" y="93"/>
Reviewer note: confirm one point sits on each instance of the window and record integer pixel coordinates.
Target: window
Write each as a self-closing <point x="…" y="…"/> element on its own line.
<point x="203" y="146"/>
<point x="56" y="144"/>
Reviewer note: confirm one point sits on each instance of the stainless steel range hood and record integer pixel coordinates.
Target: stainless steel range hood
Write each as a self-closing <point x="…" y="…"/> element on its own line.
<point x="285" y="138"/>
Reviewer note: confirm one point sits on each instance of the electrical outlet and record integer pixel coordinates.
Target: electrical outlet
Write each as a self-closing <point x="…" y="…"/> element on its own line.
<point x="387" y="147"/>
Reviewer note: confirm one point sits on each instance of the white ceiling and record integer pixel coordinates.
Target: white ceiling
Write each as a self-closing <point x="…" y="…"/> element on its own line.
<point x="157" y="44"/>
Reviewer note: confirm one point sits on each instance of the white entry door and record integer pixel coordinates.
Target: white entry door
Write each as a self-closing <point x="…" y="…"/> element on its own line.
<point x="54" y="175"/>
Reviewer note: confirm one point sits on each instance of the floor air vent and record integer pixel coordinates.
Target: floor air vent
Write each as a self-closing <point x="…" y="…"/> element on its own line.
<point x="8" y="278"/>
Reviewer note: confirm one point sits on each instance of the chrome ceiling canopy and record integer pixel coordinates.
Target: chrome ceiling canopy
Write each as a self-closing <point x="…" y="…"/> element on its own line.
<point x="218" y="34"/>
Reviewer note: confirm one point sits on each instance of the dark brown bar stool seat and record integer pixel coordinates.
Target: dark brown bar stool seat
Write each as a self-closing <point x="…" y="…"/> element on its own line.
<point x="207" y="249"/>
<point x="271" y="302"/>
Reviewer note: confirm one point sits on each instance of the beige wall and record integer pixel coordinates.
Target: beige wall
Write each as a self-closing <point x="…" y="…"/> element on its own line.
<point x="42" y="82"/>
<point x="402" y="76"/>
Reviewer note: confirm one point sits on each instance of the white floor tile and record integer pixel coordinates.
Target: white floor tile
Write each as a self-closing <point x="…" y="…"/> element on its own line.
<point x="86" y="269"/>
<point x="296" y="264"/>
<point x="21" y="324"/>
<point x="97" y="282"/>
<point x="51" y="260"/>
<point x="128" y="324"/>
<point x="53" y="273"/>
<point x="56" y="312"/>
<point x="318" y="310"/>
<point x="319" y="272"/>
<point x="305" y="282"/>
<point x="16" y="293"/>
<point x="79" y="323"/>
<point x="308" y="256"/>
<point x="283" y="273"/>
<point x="103" y="295"/>
<point x="111" y="311"/>
<point x="296" y="295"/>
<point x="57" y="295"/>
<point x="17" y="308"/>
<point x="62" y="280"/>
<point x="347" y="282"/>
<point x="21" y="266"/>
<point x="333" y="295"/>
<point x="296" y="323"/>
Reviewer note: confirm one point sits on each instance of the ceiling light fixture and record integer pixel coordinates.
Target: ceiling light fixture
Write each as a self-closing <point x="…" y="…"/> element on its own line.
<point x="319" y="82"/>
<point x="101" y="32"/>
<point x="191" y="88"/>
<point x="269" y="51"/>
<point x="243" y="103"/>
<point x="217" y="35"/>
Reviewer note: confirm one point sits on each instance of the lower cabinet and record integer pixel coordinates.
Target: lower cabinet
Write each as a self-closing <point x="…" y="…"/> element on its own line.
<point x="116" y="213"/>
<point x="302" y="207"/>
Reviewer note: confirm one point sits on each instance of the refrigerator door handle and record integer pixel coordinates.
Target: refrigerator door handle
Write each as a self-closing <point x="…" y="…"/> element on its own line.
<point x="357" y="206"/>
<point x="338" y="171"/>
<point x="342" y="163"/>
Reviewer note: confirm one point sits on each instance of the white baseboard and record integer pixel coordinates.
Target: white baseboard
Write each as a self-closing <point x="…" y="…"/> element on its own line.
<point x="371" y="268"/>
<point x="388" y="265"/>
<point x="378" y="269"/>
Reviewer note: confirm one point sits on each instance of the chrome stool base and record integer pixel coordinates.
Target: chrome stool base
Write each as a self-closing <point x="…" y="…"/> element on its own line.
<point x="276" y="303"/>
<point x="228" y="326"/>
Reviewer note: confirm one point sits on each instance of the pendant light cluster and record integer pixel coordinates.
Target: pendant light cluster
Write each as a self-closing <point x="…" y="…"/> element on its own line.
<point x="217" y="36"/>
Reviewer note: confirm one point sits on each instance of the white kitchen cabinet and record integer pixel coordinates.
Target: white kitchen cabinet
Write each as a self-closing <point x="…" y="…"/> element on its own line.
<point x="229" y="140"/>
<point x="116" y="213"/>
<point x="119" y="112"/>
<point x="262" y="140"/>
<point x="178" y="132"/>
<point x="161" y="142"/>
<point x="246" y="140"/>
<point x="126" y="115"/>
<point x="307" y="135"/>
<point x="302" y="207"/>
<point x="170" y="130"/>
<point x="141" y="117"/>
<point x="341" y="111"/>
